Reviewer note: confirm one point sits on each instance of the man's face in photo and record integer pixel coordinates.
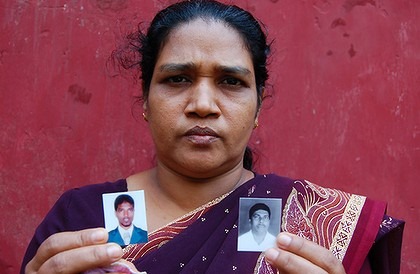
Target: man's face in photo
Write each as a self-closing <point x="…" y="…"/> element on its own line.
<point x="125" y="214"/>
<point x="260" y="221"/>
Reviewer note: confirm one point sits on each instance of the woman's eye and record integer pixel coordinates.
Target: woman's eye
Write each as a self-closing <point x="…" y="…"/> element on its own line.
<point x="177" y="79"/>
<point x="232" y="82"/>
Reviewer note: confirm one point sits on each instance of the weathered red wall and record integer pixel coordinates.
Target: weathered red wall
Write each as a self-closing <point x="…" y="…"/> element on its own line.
<point x="345" y="108"/>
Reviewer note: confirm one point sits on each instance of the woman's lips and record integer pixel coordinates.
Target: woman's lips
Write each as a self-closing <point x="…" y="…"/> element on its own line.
<point x="201" y="135"/>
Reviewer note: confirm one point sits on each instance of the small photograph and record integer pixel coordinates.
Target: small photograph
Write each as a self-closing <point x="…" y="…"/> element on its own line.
<point x="259" y="223"/>
<point x="125" y="217"/>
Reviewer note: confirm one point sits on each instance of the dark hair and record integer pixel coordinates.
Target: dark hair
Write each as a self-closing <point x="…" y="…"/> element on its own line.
<point x="123" y="198"/>
<point x="148" y="45"/>
<point x="258" y="207"/>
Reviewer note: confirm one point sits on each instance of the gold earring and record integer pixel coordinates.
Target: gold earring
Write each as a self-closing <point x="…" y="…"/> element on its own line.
<point x="144" y="117"/>
<point x="255" y="124"/>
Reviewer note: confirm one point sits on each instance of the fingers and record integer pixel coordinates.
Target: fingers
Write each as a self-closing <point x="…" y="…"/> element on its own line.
<point x="72" y="252"/>
<point x="82" y="259"/>
<point x="287" y="262"/>
<point x="295" y="254"/>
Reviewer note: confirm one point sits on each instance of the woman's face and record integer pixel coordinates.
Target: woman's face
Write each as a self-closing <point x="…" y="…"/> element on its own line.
<point x="202" y="103"/>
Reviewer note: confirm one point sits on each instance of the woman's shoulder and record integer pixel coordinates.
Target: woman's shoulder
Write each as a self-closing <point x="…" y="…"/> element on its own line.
<point x="302" y="185"/>
<point x="283" y="183"/>
<point x="273" y="178"/>
<point x="88" y="192"/>
<point x="119" y="185"/>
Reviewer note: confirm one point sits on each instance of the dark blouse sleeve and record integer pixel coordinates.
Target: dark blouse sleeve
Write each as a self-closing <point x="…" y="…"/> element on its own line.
<point x="385" y="254"/>
<point x="76" y="209"/>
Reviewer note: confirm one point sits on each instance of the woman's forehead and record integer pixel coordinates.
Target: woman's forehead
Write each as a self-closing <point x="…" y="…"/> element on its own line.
<point x="209" y="41"/>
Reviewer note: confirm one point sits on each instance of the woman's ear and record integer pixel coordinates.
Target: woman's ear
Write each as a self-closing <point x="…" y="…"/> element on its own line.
<point x="145" y="111"/>
<point x="257" y="114"/>
<point x="261" y="97"/>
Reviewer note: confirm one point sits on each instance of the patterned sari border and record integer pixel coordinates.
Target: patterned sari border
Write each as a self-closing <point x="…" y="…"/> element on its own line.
<point x="347" y="226"/>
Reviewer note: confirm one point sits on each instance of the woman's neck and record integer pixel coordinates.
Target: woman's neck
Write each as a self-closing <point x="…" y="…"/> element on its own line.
<point x="191" y="192"/>
<point x="170" y="195"/>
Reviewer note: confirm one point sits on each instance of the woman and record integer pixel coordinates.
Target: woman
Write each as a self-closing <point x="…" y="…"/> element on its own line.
<point x="203" y="70"/>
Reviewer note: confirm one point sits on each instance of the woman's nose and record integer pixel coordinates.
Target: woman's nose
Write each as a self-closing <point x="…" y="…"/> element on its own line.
<point x="203" y="100"/>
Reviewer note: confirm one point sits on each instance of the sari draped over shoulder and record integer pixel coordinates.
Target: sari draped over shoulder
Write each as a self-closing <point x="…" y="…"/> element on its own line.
<point x="205" y="240"/>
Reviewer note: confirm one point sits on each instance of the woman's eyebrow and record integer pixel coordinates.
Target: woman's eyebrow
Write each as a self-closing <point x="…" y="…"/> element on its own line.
<point x="235" y="70"/>
<point x="170" y="67"/>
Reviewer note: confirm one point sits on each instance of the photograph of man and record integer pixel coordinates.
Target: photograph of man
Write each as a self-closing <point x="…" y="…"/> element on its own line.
<point x="258" y="238"/>
<point x="126" y="232"/>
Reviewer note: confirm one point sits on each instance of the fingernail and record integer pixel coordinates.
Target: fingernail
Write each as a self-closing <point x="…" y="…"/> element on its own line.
<point x="271" y="254"/>
<point x="114" y="251"/>
<point x="284" y="240"/>
<point x="98" y="236"/>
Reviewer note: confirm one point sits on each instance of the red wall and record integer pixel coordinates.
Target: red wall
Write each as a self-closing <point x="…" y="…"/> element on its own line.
<point x="344" y="111"/>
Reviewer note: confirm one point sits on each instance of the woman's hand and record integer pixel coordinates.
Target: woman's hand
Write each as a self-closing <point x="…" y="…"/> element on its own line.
<point x="294" y="254"/>
<point x="74" y="252"/>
